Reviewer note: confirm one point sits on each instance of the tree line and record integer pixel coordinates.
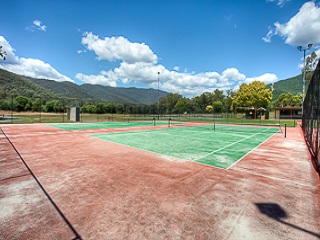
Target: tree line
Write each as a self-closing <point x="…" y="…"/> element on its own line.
<point x="254" y="94"/>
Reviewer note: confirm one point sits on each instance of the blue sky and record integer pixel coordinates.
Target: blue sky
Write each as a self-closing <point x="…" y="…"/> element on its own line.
<point x="196" y="46"/>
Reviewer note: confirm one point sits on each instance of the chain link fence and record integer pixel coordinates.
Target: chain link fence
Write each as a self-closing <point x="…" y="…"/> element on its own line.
<point x="311" y="117"/>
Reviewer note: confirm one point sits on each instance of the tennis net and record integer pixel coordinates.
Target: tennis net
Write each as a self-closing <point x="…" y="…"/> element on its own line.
<point x="272" y="128"/>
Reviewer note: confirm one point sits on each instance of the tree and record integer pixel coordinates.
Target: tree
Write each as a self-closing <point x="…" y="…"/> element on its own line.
<point x="110" y="108"/>
<point x="22" y="103"/>
<point x="180" y="107"/>
<point x="170" y="101"/>
<point x="200" y="102"/>
<point x="91" y="108"/>
<point x="100" y="108"/>
<point x="254" y="94"/>
<point x="4" y="105"/>
<point x="53" y="106"/>
<point x="228" y="101"/>
<point x="311" y="63"/>
<point x="217" y="106"/>
<point x="288" y="100"/>
<point x="209" y="108"/>
<point x="218" y="95"/>
<point x="3" y="54"/>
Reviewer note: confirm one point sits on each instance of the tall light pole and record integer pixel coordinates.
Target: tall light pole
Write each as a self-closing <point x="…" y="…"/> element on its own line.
<point x="158" y="97"/>
<point x="304" y="49"/>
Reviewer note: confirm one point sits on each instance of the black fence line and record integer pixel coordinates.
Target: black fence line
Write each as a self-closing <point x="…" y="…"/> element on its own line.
<point x="311" y="117"/>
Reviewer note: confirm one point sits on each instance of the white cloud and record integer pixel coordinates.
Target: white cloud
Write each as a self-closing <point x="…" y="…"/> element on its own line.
<point x="187" y="84"/>
<point x="268" y="37"/>
<point x="118" y="48"/>
<point x="96" y="79"/>
<point x="232" y="74"/>
<point x="301" y="29"/>
<point x="266" y="78"/>
<point x="11" y="58"/>
<point x="37" y="25"/>
<point x="28" y="66"/>
<point x="176" y="68"/>
<point x="280" y="3"/>
<point x="138" y="64"/>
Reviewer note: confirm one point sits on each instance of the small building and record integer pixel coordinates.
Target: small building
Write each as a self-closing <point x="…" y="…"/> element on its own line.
<point x="254" y="113"/>
<point x="287" y="112"/>
<point x="73" y="114"/>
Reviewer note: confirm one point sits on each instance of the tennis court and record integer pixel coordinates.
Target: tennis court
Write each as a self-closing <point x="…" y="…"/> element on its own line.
<point x="146" y="181"/>
<point x="101" y="125"/>
<point x="215" y="145"/>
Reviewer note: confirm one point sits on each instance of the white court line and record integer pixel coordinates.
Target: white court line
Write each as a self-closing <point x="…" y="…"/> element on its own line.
<point x="206" y="132"/>
<point x="229" y="145"/>
<point x="249" y="152"/>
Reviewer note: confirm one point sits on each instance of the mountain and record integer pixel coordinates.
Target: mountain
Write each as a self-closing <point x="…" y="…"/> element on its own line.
<point x="65" y="89"/>
<point x="14" y="84"/>
<point x="293" y="85"/>
<point x="125" y="95"/>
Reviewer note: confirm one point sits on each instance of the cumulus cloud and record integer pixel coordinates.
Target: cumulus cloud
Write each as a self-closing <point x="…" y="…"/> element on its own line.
<point x="37" y="25"/>
<point x="96" y="79"/>
<point x="266" y="78"/>
<point x="301" y="29"/>
<point x="118" y="48"/>
<point x="11" y="58"/>
<point x="139" y="64"/>
<point x="28" y="66"/>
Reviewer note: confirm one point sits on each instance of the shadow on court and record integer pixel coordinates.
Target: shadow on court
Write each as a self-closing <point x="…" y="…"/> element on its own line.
<point x="276" y="212"/>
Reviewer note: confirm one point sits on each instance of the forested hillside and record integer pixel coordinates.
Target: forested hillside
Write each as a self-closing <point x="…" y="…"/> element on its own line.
<point x="15" y="85"/>
<point x="12" y="84"/>
<point x="66" y="89"/>
<point x="124" y="95"/>
<point x="292" y="85"/>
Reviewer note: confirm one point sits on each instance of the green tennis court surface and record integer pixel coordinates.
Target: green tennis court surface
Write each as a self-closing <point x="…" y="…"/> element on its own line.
<point x="218" y="146"/>
<point x="100" y="125"/>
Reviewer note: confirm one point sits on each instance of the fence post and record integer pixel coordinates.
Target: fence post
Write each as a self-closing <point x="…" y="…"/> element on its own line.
<point x="12" y="109"/>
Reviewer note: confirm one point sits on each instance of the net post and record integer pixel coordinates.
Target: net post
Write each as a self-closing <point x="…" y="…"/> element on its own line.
<point x="285" y="130"/>
<point x="169" y="122"/>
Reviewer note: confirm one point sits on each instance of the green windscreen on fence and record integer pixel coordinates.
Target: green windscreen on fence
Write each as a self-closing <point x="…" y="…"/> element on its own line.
<point x="216" y="146"/>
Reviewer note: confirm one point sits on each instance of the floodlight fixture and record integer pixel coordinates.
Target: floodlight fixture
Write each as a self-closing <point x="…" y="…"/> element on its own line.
<point x="301" y="49"/>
